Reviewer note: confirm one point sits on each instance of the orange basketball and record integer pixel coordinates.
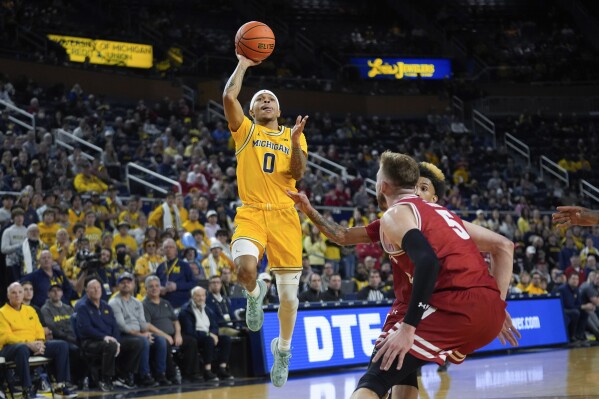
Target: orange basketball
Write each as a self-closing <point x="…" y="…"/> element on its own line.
<point x="255" y="40"/>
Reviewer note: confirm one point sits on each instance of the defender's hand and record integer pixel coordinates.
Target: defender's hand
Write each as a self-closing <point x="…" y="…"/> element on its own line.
<point x="509" y="333"/>
<point x="301" y="201"/>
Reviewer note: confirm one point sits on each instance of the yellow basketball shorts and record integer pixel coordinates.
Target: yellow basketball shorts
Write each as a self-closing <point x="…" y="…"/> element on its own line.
<point x="276" y="231"/>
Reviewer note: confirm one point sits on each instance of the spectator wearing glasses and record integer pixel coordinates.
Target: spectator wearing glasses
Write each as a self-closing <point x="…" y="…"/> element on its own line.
<point x="147" y="264"/>
<point x="221" y="306"/>
<point x="176" y="277"/>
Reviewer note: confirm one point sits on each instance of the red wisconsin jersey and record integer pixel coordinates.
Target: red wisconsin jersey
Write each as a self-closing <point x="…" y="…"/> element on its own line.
<point x="461" y="265"/>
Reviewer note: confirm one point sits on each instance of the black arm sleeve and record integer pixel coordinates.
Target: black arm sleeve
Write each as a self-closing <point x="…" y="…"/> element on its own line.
<point x="426" y="269"/>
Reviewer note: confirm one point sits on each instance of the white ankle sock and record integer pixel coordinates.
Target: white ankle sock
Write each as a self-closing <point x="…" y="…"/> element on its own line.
<point x="256" y="292"/>
<point x="284" y="345"/>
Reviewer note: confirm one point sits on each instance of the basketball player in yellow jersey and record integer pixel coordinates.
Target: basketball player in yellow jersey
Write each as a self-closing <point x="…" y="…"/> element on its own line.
<point x="270" y="159"/>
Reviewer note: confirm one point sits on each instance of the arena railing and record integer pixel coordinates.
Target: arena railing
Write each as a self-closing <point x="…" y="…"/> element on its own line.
<point x="59" y="135"/>
<point x="215" y="111"/>
<point x="190" y="95"/>
<point x="518" y="146"/>
<point x="314" y="158"/>
<point x="457" y="105"/>
<point x="550" y="167"/>
<point x="482" y="124"/>
<point x="589" y="190"/>
<point x="370" y="185"/>
<point x="30" y="118"/>
<point x="130" y="177"/>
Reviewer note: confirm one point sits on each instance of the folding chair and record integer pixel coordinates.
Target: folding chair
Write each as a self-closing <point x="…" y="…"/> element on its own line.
<point x="34" y="362"/>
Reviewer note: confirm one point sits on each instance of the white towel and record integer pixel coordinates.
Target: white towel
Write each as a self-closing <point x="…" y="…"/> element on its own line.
<point x="167" y="218"/>
<point x="28" y="267"/>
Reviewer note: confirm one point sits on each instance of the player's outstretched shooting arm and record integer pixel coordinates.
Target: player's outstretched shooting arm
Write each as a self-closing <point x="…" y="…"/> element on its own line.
<point x="232" y="106"/>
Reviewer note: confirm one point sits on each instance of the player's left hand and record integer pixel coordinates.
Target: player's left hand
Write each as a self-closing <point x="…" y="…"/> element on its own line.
<point x="298" y="129"/>
<point x="509" y="333"/>
<point x="395" y="345"/>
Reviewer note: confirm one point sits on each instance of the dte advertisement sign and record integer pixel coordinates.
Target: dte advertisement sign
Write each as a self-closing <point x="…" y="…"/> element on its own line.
<point x="344" y="336"/>
<point x="328" y="337"/>
<point x="105" y="52"/>
<point x="402" y="68"/>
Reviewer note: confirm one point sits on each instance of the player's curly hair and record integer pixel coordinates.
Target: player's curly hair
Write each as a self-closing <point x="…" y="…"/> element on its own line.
<point x="434" y="174"/>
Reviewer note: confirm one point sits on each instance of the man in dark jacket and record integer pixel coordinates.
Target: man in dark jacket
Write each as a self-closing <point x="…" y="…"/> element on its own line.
<point x="313" y="293"/>
<point x="576" y="317"/>
<point x="372" y="292"/>
<point x="48" y="274"/>
<point x="99" y="333"/>
<point x="176" y="277"/>
<point x="221" y="306"/>
<point x="333" y="293"/>
<point x="198" y="321"/>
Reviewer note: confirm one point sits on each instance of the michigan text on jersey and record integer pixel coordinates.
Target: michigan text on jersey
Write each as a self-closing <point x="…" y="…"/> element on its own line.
<point x="272" y="146"/>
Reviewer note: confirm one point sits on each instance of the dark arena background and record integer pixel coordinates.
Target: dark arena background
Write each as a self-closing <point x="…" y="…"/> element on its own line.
<point x="107" y="106"/>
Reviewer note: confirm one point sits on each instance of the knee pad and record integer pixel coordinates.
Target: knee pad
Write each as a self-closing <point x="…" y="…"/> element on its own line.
<point x="242" y="247"/>
<point x="287" y="286"/>
<point x="289" y="305"/>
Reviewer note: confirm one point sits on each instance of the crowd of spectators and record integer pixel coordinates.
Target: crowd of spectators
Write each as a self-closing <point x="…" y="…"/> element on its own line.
<point x="75" y="235"/>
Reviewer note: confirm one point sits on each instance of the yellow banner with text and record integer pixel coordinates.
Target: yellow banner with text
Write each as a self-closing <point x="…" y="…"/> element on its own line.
<point x="106" y="52"/>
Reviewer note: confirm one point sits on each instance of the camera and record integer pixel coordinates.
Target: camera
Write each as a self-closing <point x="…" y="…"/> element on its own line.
<point x="89" y="261"/>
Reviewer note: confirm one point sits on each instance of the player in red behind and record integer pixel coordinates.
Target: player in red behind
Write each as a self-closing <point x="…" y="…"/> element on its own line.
<point x="447" y="305"/>
<point x="430" y="185"/>
<point x="406" y="377"/>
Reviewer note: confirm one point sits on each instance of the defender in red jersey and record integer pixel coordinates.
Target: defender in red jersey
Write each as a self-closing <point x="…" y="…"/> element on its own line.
<point x="453" y="303"/>
<point x="430" y="185"/>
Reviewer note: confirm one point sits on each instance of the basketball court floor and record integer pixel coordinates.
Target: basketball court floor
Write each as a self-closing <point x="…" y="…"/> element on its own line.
<point x="551" y="373"/>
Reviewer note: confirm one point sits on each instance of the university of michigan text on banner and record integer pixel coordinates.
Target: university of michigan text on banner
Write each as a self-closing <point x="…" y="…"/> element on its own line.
<point x="105" y="52"/>
<point x="403" y="68"/>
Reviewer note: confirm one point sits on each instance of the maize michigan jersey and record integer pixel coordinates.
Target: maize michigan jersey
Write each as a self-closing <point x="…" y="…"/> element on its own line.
<point x="263" y="160"/>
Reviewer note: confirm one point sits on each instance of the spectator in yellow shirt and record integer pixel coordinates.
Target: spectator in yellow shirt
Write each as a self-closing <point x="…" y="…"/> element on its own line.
<point x="181" y="207"/>
<point x="61" y="249"/>
<point x="23" y="336"/>
<point x="535" y="288"/>
<point x="213" y="264"/>
<point x="166" y="214"/>
<point x="85" y="181"/>
<point x="123" y="237"/>
<point x="147" y="264"/>
<point x="76" y="213"/>
<point x="48" y="228"/>
<point x="193" y="222"/>
<point x="92" y="233"/>
<point x="132" y="213"/>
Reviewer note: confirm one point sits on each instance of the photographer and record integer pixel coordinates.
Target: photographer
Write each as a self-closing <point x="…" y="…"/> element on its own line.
<point x="97" y="265"/>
